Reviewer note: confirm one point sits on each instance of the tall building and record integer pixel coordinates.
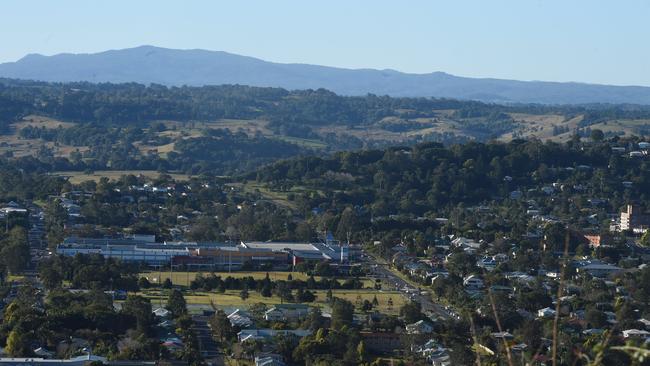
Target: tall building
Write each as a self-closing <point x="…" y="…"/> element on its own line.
<point x="634" y="219"/>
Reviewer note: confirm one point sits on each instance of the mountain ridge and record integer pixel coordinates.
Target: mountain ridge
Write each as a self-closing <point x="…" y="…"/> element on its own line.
<point x="197" y="67"/>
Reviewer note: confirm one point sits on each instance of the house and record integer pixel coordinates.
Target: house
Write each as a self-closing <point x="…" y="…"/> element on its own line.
<point x="501" y="289"/>
<point x="167" y="324"/>
<point x="287" y="312"/>
<point x="173" y="345"/>
<point x="645" y="322"/>
<point x="545" y="313"/>
<point x="381" y="342"/>
<point x="594" y="240"/>
<point x="597" y="269"/>
<point x="515" y="195"/>
<point x="42" y="352"/>
<point x="162" y="312"/>
<point x="504" y="336"/>
<point x="239" y="319"/>
<point x="593" y="331"/>
<point x="415" y="268"/>
<point x="269" y="360"/>
<point x="466" y="243"/>
<point x="636" y="333"/>
<point x="419" y="327"/>
<point x="611" y="317"/>
<point x="33" y="361"/>
<point x="264" y="334"/>
<point x="434" y="353"/>
<point x="500" y="257"/>
<point x="487" y="263"/>
<point x="12" y="207"/>
<point x="473" y="282"/>
<point x="519" y="348"/>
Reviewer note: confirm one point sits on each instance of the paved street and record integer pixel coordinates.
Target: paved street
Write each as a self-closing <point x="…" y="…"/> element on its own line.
<point x="429" y="307"/>
<point x="209" y="348"/>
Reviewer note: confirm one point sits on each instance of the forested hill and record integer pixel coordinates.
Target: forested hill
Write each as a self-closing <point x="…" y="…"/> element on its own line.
<point x="147" y="64"/>
<point x="233" y="129"/>
<point x="430" y="178"/>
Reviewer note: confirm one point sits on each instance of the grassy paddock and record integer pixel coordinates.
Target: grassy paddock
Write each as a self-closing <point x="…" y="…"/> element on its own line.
<point x="231" y="298"/>
<point x="79" y="177"/>
<point x="184" y="278"/>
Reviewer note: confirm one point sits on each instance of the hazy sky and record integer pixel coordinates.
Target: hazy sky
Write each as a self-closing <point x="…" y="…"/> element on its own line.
<point x="564" y="40"/>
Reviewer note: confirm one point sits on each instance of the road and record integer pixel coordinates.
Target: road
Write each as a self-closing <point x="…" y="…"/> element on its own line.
<point x="209" y="348"/>
<point x="412" y="293"/>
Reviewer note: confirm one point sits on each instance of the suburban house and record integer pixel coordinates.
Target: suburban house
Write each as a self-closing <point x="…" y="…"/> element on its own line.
<point x="381" y="342"/>
<point x="263" y="334"/>
<point x="162" y="312"/>
<point x="488" y="263"/>
<point x="287" y="312"/>
<point x="504" y="336"/>
<point x="419" y="327"/>
<point x="435" y="353"/>
<point x="545" y="313"/>
<point x="32" y="361"/>
<point x="239" y="319"/>
<point x="598" y="269"/>
<point x="636" y="333"/>
<point x="473" y="282"/>
<point x="465" y="243"/>
<point x="269" y="360"/>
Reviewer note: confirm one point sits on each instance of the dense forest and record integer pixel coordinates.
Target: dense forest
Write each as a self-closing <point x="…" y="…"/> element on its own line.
<point x="431" y="175"/>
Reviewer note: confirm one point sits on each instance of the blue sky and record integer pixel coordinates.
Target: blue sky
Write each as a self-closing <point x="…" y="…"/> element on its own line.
<point x="571" y="40"/>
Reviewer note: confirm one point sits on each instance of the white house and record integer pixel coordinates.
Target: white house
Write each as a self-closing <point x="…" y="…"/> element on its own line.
<point x="636" y="333"/>
<point x="419" y="327"/>
<point x="466" y="243"/>
<point x="503" y="335"/>
<point x="545" y="313"/>
<point x="263" y="334"/>
<point x="33" y="361"/>
<point x="473" y="282"/>
<point x="598" y="269"/>
<point x="239" y="319"/>
<point x="488" y="263"/>
<point x="269" y="360"/>
<point x="435" y="353"/>
<point x="287" y="312"/>
<point x="162" y="312"/>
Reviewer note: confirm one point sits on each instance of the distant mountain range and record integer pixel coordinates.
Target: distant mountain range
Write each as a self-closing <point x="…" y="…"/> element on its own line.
<point x="148" y="64"/>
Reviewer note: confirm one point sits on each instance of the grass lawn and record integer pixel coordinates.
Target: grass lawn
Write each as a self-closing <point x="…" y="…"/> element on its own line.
<point x="79" y="177"/>
<point x="181" y="278"/>
<point x="17" y="278"/>
<point x="231" y="298"/>
<point x="184" y="278"/>
<point x="309" y="143"/>
<point x="234" y="362"/>
<point x="279" y="198"/>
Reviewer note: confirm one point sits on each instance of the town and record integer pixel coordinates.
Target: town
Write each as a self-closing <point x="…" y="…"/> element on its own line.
<point x="207" y="271"/>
